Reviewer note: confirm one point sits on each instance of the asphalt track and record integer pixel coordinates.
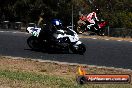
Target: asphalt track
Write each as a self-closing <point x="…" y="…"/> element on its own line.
<point x="110" y="53"/>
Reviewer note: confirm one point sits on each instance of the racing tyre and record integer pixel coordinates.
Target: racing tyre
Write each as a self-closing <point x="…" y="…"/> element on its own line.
<point x="79" y="49"/>
<point x="33" y="43"/>
<point x="101" y="32"/>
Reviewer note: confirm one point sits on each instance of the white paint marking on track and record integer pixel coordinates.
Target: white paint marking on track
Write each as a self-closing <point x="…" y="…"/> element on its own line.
<point x="20" y="32"/>
<point x="1" y="31"/>
<point x="5" y="31"/>
<point x="94" y="38"/>
<point x="107" y="39"/>
<point x="14" y="32"/>
<point x="119" y="40"/>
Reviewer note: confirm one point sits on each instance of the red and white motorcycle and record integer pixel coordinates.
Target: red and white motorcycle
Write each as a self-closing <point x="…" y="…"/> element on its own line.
<point x="99" y="28"/>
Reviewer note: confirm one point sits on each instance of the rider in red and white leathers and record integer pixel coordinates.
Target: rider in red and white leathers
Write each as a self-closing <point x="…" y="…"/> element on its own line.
<point x="91" y="17"/>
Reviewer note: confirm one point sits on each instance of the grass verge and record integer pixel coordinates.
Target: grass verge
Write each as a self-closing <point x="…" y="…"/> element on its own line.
<point x="26" y="73"/>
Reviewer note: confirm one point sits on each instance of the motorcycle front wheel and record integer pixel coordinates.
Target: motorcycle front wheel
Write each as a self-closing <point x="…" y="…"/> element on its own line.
<point x="79" y="49"/>
<point x="101" y="32"/>
<point x="33" y="43"/>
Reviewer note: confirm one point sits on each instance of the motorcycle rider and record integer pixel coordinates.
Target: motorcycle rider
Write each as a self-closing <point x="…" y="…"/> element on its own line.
<point x="41" y="19"/>
<point x="48" y="32"/>
<point x="82" y="19"/>
<point x="92" y="18"/>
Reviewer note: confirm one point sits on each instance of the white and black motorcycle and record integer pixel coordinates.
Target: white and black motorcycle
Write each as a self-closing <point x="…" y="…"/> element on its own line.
<point x="59" y="39"/>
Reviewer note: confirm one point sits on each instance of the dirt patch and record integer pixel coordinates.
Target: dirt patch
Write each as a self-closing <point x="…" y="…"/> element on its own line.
<point x="53" y="68"/>
<point x="18" y="64"/>
<point x="28" y="65"/>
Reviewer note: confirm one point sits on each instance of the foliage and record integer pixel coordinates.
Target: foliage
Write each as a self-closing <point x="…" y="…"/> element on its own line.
<point x="117" y="12"/>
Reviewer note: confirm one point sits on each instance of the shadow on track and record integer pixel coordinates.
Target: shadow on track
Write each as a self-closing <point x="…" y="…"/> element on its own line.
<point x="52" y="51"/>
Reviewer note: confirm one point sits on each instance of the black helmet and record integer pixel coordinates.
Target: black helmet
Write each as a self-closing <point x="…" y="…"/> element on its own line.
<point x="97" y="10"/>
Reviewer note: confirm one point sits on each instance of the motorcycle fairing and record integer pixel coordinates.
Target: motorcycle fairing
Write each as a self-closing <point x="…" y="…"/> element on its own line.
<point x="34" y="31"/>
<point x="78" y="42"/>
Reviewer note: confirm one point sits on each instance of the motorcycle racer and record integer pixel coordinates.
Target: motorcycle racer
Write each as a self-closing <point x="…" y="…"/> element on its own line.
<point x="55" y="39"/>
<point x="92" y="17"/>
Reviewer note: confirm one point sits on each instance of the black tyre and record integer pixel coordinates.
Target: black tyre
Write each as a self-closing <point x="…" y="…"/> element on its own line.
<point x="101" y="32"/>
<point x="33" y="43"/>
<point x="79" y="49"/>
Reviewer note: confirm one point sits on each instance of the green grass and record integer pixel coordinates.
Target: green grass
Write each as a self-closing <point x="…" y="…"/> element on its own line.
<point x="51" y="81"/>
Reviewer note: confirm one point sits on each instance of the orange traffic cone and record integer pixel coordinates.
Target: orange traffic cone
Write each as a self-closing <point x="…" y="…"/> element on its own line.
<point x="81" y="71"/>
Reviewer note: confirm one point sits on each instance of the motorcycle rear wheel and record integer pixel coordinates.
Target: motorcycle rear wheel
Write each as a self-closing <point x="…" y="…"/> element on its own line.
<point x="80" y="49"/>
<point x="101" y="32"/>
